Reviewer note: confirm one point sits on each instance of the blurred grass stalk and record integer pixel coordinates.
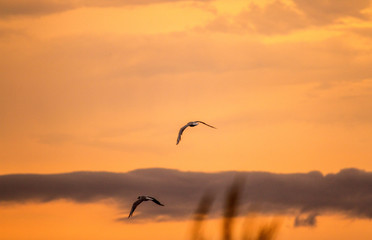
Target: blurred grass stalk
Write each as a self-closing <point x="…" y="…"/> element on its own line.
<point x="231" y="207"/>
<point x="268" y="231"/>
<point x="200" y="215"/>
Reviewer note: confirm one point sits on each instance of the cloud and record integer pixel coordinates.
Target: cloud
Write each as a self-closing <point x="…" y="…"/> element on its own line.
<point x="325" y="12"/>
<point x="365" y="32"/>
<point x="41" y="7"/>
<point x="34" y="7"/>
<point x="309" y="221"/>
<point x="274" y="18"/>
<point x="348" y="192"/>
<point x="99" y="74"/>
<point x="278" y="17"/>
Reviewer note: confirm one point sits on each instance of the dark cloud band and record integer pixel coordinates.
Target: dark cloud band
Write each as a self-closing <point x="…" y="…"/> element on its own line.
<point x="349" y="191"/>
<point x="41" y="7"/>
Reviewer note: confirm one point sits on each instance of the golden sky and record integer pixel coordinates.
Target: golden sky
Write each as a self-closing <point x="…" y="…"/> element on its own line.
<point x="94" y="85"/>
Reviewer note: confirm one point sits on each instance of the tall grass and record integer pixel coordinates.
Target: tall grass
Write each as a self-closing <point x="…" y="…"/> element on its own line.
<point x="231" y="207"/>
<point x="267" y="231"/>
<point x="200" y="215"/>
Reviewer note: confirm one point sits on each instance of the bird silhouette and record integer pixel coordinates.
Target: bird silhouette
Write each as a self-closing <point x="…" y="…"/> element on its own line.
<point x="190" y="124"/>
<point x="140" y="199"/>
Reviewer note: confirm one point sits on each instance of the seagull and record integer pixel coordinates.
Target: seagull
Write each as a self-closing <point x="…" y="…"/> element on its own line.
<point x="141" y="199"/>
<point x="190" y="124"/>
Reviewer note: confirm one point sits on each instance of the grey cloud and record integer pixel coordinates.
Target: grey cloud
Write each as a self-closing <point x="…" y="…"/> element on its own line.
<point x="348" y="192"/>
<point x="41" y="7"/>
<point x="274" y="18"/>
<point x="309" y="221"/>
<point x="34" y="7"/>
<point x="279" y="18"/>
<point x="325" y="12"/>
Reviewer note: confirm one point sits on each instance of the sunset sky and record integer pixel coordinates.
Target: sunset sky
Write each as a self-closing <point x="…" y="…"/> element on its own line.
<point x="102" y="87"/>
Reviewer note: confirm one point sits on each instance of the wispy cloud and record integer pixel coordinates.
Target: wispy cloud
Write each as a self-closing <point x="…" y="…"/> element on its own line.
<point x="274" y="18"/>
<point x="42" y="7"/>
<point x="278" y="17"/>
<point x="348" y="192"/>
<point x="34" y="7"/>
<point x="310" y="220"/>
<point x="325" y="12"/>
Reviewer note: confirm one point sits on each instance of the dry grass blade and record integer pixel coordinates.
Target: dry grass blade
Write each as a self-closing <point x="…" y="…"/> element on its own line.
<point x="200" y="215"/>
<point x="268" y="232"/>
<point x="231" y="207"/>
<point x="248" y="227"/>
<point x="265" y="232"/>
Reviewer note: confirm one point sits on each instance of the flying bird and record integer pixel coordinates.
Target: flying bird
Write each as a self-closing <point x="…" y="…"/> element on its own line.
<point x="190" y="124"/>
<point x="141" y="199"/>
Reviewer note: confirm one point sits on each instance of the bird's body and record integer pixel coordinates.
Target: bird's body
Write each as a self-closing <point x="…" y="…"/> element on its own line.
<point x="193" y="124"/>
<point x="140" y="199"/>
<point x="190" y="124"/>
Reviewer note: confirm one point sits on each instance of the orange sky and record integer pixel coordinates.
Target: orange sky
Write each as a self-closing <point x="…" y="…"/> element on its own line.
<point x="106" y="85"/>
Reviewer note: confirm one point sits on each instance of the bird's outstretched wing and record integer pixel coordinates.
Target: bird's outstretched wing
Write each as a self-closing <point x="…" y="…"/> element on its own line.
<point x="180" y="133"/>
<point x="205" y="124"/>
<point x="134" y="206"/>
<point x="155" y="201"/>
